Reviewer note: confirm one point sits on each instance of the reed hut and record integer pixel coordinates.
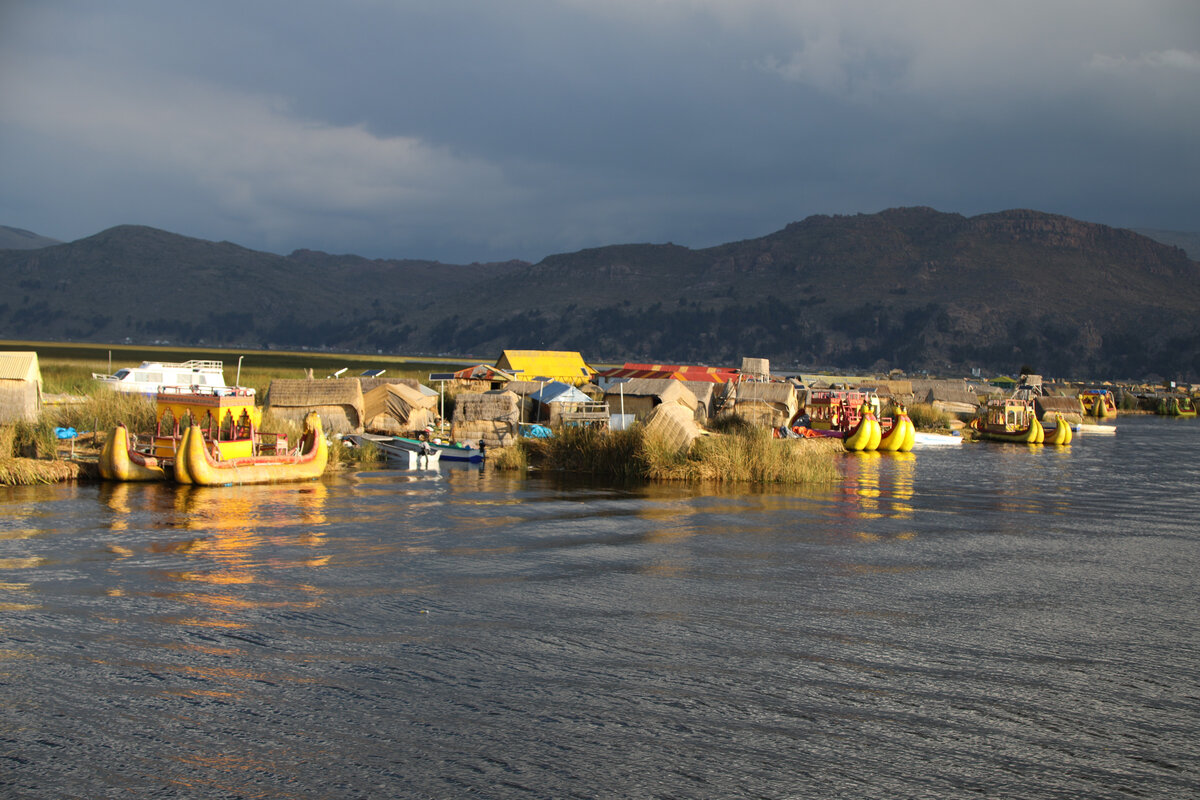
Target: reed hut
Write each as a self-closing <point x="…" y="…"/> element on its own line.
<point x="339" y="401"/>
<point x="674" y="424"/>
<point x="395" y="409"/>
<point x="492" y="416"/>
<point x="1070" y="407"/>
<point x="640" y="396"/>
<point x="20" y="386"/>
<point x="765" y="403"/>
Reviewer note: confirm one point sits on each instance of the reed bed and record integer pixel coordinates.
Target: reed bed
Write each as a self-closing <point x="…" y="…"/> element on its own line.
<point x="926" y="418"/>
<point x="745" y="455"/>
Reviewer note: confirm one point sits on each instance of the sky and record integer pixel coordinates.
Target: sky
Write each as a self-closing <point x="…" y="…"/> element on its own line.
<point x="484" y="130"/>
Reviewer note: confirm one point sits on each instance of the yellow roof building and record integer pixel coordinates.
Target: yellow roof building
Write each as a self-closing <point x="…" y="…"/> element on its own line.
<point x="555" y="365"/>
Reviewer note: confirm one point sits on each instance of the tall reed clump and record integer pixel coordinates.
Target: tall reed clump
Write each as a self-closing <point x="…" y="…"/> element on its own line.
<point x="103" y="410"/>
<point x="16" y="471"/>
<point x="748" y="455"/>
<point x="926" y="418"/>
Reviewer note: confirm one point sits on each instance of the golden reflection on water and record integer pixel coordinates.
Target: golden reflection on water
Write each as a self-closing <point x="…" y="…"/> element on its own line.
<point x="236" y="538"/>
<point x="879" y="486"/>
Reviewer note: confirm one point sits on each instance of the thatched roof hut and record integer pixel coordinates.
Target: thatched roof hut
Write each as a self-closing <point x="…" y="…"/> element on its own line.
<point x="640" y="396"/>
<point x="1070" y="407"/>
<point x="765" y="403"/>
<point x="674" y="423"/>
<point x="20" y="386"/>
<point x="397" y="408"/>
<point x="493" y="417"/>
<point x="339" y="401"/>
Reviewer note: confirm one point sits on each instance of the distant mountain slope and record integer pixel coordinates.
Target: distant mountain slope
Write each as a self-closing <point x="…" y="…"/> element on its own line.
<point x="1188" y="242"/>
<point x="912" y="288"/>
<point x="20" y="239"/>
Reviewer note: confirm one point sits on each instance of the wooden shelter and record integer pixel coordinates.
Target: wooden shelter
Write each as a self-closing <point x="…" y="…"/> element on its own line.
<point x="339" y="401"/>
<point x="20" y="386"/>
<point x="551" y="365"/>
<point x="766" y="403"/>
<point x="559" y="403"/>
<point x="640" y="396"/>
<point x="397" y="408"/>
<point x="493" y="417"/>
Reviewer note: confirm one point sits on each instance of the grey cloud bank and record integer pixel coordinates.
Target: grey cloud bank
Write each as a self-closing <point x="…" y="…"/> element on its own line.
<point x="468" y="131"/>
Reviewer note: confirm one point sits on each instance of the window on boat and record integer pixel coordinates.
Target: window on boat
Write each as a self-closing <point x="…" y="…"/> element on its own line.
<point x="186" y="421"/>
<point x="121" y="373"/>
<point x="166" y="423"/>
<point x="227" y="427"/>
<point x="245" y="429"/>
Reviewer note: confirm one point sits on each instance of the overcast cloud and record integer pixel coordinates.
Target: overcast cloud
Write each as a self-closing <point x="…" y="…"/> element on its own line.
<point x="486" y="130"/>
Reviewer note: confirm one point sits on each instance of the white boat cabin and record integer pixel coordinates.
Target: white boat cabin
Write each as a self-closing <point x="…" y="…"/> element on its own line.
<point x="152" y="377"/>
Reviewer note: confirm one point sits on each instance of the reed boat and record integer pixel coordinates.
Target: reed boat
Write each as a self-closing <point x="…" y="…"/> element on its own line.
<point x="201" y="462"/>
<point x="901" y="437"/>
<point x="1177" y="406"/>
<point x="121" y="461"/>
<point x="1060" y="434"/>
<point x="1010" y="419"/>
<point x="1098" y="403"/>
<point x="227" y="418"/>
<point x="866" y="435"/>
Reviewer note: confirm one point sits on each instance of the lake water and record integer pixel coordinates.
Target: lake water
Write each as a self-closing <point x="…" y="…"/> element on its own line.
<point x="990" y="621"/>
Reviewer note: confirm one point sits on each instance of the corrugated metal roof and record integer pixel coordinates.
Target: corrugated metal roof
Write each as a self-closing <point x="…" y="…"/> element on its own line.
<point x="562" y="365"/>
<point x="20" y="366"/>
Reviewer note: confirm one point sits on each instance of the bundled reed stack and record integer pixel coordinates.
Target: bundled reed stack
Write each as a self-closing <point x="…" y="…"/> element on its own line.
<point x="493" y="417"/>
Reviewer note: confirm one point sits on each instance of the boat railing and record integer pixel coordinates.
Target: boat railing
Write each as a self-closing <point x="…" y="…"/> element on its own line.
<point x="207" y="391"/>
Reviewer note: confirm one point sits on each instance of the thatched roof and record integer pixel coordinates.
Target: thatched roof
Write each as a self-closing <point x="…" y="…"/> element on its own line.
<point x="396" y="408"/>
<point x="294" y="393"/>
<point x="524" y="388"/>
<point x="503" y="406"/>
<point x="1069" y="407"/>
<point x="373" y="383"/>
<point x="765" y="392"/>
<point x="666" y="390"/>
<point x="674" y="423"/>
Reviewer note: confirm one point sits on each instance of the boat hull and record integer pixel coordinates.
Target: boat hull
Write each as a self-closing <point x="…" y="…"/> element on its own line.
<point x="1033" y="434"/>
<point x="902" y="436"/>
<point x="196" y="465"/>
<point x="865" y="436"/>
<point x="1060" y="434"/>
<point x="118" y="462"/>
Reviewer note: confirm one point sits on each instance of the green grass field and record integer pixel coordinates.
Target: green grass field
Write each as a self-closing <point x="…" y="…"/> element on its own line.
<point x="68" y="368"/>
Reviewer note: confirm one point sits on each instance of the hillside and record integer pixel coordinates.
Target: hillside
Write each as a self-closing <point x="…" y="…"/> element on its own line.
<point x="21" y="239"/>
<point x="911" y="288"/>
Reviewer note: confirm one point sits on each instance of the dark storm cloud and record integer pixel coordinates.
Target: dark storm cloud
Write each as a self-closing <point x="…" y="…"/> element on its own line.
<point x="474" y="130"/>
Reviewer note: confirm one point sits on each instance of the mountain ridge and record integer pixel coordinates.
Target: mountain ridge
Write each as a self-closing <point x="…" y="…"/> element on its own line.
<point x="910" y="288"/>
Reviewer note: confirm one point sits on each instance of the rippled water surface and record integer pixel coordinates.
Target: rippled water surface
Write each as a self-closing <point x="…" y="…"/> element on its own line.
<point x="987" y="621"/>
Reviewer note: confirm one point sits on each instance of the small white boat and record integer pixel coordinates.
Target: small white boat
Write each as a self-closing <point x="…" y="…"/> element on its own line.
<point x="926" y="439"/>
<point x="398" y="450"/>
<point x="152" y="377"/>
<point x="1102" y="430"/>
